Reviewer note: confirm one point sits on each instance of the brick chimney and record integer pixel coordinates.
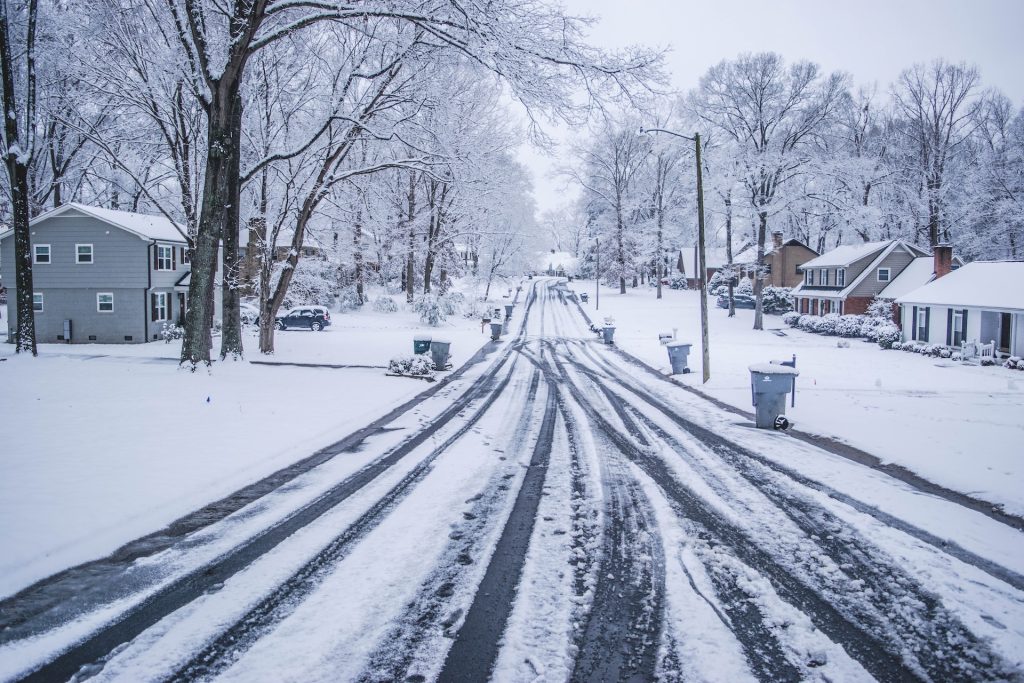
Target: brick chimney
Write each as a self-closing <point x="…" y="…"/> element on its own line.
<point x="777" y="240"/>
<point x="943" y="254"/>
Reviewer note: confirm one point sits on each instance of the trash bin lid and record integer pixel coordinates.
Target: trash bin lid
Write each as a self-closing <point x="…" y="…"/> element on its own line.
<point x="772" y="369"/>
<point x="677" y="344"/>
<point x="438" y="340"/>
<point x="422" y="337"/>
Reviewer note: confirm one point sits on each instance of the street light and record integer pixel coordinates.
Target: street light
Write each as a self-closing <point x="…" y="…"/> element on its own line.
<point x="702" y="276"/>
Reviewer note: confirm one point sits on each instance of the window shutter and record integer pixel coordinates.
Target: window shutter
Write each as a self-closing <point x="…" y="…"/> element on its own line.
<point x="927" y="322"/>
<point x="949" y="327"/>
<point x="914" y="326"/>
<point x="174" y="264"/>
<point x="963" y="327"/>
<point x="156" y="257"/>
<point x="152" y="307"/>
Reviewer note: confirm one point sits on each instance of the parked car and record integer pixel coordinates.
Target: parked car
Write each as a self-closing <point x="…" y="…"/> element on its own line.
<point x="250" y="314"/>
<point x="741" y="301"/>
<point x="313" y="318"/>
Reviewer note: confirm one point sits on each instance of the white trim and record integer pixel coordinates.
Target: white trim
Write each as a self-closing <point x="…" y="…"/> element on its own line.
<point x="41" y="302"/>
<point x="35" y="254"/>
<point x="888" y="274"/>
<point x="92" y="255"/>
<point x="842" y="272"/>
<point x="98" y="295"/>
<point x="166" y="307"/>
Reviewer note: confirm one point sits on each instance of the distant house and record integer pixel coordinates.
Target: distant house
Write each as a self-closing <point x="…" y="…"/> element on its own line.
<point x="981" y="302"/>
<point x="846" y="279"/>
<point x="782" y="258"/>
<point x="101" y="275"/>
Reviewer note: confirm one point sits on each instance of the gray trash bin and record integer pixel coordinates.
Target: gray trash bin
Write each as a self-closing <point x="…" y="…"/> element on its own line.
<point x="508" y="311"/>
<point x="609" y="334"/>
<point x="769" y="384"/>
<point x="421" y="343"/>
<point x="495" y="331"/>
<point x="678" y="351"/>
<point x="439" y="353"/>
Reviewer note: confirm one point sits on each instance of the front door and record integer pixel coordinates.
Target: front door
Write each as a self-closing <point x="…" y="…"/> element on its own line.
<point x="1005" y="328"/>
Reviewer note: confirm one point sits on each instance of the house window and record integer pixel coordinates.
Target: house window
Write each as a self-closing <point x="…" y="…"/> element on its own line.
<point x="159" y="306"/>
<point x="809" y="278"/>
<point x="41" y="253"/>
<point x="796" y="269"/>
<point x="922" y="324"/>
<point x="105" y="302"/>
<point x="824" y="277"/>
<point x="958" y="327"/>
<point x="186" y="257"/>
<point x="83" y="253"/>
<point x="883" y="274"/>
<point x="840" y="277"/>
<point x="37" y="302"/>
<point x="164" y="256"/>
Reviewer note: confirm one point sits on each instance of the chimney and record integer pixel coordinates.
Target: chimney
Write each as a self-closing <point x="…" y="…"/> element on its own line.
<point x="777" y="240"/>
<point x="943" y="254"/>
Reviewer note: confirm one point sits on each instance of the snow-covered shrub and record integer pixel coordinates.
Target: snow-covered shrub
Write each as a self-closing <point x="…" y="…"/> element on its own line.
<point x="957" y="356"/>
<point x="1014" y="363"/>
<point x="171" y="332"/>
<point x="887" y="335"/>
<point x="881" y="309"/>
<point x="988" y="361"/>
<point x="827" y="324"/>
<point x="416" y="365"/>
<point x="849" y="325"/>
<point x="430" y="309"/>
<point x="719" y="282"/>
<point x="808" y="323"/>
<point x="776" y="300"/>
<point x="384" y="304"/>
<point x="930" y="350"/>
<point x="945" y="353"/>
<point x="896" y="345"/>
<point x="679" y="281"/>
<point x="745" y="286"/>
<point x="792" y="318"/>
<point x="348" y="300"/>
<point x="451" y="302"/>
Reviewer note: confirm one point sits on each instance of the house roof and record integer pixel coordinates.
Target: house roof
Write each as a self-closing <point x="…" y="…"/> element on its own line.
<point x="985" y="284"/>
<point x="921" y="271"/>
<point x="880" y="254"/>
<point x="146" y="226"/>
<point x="846" y="254"/>
<point x="716" y="257"/>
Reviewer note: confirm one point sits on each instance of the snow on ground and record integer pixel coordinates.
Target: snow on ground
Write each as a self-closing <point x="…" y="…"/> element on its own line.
<point x="105" y="443"/>
<point x="959" y="426"/>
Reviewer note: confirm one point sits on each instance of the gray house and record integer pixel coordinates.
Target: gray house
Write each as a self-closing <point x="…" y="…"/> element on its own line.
<point x="101" y="275"/>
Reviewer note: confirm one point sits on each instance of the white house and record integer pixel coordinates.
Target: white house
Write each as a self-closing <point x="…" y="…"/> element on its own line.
<point x="980" y="302"/>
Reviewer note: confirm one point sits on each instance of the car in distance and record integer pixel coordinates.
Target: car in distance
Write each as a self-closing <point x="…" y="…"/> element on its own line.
<point x="313" y="318"/>
<point x="249" y="314"/>
<point x="741" y="301"/>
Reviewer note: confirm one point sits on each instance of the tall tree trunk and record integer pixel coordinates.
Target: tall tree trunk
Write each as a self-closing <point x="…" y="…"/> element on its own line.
<point x="410" y="260"/>
<point x="762" y="229"/>
<point x="357" y="257"/>
<point x="231" y="331"/>
<point x="25" y="331"/>
<point x="728" y="253"/>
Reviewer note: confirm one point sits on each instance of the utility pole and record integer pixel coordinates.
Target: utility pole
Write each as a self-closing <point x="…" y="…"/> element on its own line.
<point x="702" y="261"/>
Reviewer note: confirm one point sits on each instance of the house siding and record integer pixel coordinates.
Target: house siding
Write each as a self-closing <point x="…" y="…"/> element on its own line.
<point x="784" y="263"/>
<point x="118" y="256"/>
<point x="896" y="261"/>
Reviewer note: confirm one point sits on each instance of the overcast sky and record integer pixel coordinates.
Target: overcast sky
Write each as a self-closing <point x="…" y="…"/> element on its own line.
<point x="872" y="40"/>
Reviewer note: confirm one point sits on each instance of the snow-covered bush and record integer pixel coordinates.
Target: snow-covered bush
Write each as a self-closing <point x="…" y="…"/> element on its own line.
<point x="348" y="300"/>
<point x="171" y="332"/>
<point x="1014" y="363"/>
<point x="416" y="365"/>
<point x="719" y="282"/>
<point x="746" y="286"/>
<point x="827" y="324"/>
<point x="887" y="335"/>
<point x="451" y="302"/>
<point x="384" y="304"/>
<point x="792" y="318"/>
<point x="881" y="309"/>
<point x="931" y="350"/>
<point x="957" y="355"/>
<point x="896" y="345"/>
<point x="679" y="281"/>
<point x="776" y="300"/>
<point x="431" y="310"/>
<point x="849" y="325"/>
<point x="808" y="323"/>
<point x="945" y="353"/>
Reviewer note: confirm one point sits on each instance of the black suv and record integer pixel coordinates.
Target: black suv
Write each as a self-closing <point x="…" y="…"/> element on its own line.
<point x="313" y="318"/>
<point x="741" y="301"/>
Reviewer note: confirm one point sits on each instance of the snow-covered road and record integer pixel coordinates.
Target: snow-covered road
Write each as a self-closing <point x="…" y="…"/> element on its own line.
<point x="556" y="513"/>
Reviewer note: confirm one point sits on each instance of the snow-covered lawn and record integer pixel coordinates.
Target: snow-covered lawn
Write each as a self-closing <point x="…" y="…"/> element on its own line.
<point x="100" y="444"/>
<point x="959" y="426"/>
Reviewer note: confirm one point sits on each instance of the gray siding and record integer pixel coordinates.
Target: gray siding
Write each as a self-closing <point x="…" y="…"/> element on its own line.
<point x="870" y="286"/>
<point x="119" y="257"/>
<point x="79" y="306"/>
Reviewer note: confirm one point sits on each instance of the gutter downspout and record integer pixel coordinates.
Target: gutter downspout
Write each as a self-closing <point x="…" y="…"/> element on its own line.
<point x="145" y="295"/>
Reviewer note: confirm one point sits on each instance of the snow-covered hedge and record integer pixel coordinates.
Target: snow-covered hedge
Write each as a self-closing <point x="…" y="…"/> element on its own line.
<point x="776" y="300"/>
<point x="792" y="318"/>
<point x="384" y="304"/>
<point x="415" y="365"/>
<point x="171" y="332"/>
<point x="451" y="302"/>
<point x="887" y="335"/>
<point x="679" y="282"/>
<point x="432" y="311"/>
<point x="348" y="300"/>
<point x="849" y="325"/>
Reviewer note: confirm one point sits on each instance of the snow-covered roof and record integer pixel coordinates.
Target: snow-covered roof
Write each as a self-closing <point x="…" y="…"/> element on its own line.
<point x="144" y="225"/>
<point x="983" y="284"/>
<point x="846" y="254"/>
<point x="716" y="257"/>
<point x="920" y="272"/>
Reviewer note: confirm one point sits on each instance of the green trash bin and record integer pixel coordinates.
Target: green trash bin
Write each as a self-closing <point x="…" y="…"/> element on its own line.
<point x="421" y="343"/>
